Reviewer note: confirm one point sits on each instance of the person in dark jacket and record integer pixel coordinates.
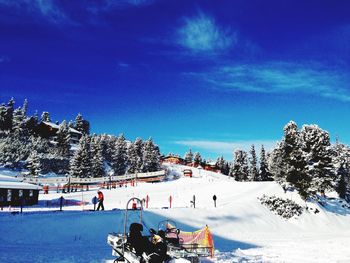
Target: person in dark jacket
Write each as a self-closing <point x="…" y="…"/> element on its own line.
<point x="100" y="201"/>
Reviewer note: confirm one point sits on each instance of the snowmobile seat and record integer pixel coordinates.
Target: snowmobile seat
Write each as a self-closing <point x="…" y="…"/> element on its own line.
<point x="173" y="240"/>
<point x="137" y="241"/>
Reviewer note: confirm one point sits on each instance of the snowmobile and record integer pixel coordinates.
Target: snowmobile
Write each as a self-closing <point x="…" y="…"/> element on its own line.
<point x="163" y="246"/>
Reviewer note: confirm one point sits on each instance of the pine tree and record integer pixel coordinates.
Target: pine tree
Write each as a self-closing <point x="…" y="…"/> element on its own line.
<point x="120" y="157"/>
<point x="197" y="158"/>
<point x="18" y="123"/>
<point x="343" y="183"/>
<point x="226" y="169"/>
<point x="135" y="154"/>
<point x="97" y="163"/>
<point x="253" y="169"/>
<point x="34" y="164"/>
<point x="240" y="166"/>
<point x="82" y="125"/>
<point x="220" y="163"/>
<point x="63" y="139"/>
<point x="263" y="172"/>
<point x="9" y="114"/>
<point x="189" y="157"/>
<point x="317" y="154"/>
<point x="45" y="116"/>
<point x="81" y="162"/>
<point x="294" y="160"/>
<point x="25" y="107"/>
<point x="151" y="157"/>
<point x="3" y="116"/>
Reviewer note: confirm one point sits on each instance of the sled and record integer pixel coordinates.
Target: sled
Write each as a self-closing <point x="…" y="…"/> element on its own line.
<point x="168" y="244"/>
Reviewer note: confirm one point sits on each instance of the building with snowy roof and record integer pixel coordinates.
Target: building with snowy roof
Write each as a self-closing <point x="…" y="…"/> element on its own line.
<point x="14" y="192"/>
<point x="49" y="130"/>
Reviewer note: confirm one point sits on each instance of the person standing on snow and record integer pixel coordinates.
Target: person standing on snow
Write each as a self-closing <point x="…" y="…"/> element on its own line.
<point x="100" y="201"/>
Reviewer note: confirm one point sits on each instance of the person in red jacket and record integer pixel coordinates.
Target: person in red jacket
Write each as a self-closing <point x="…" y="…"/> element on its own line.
<point x="100" y="201"/>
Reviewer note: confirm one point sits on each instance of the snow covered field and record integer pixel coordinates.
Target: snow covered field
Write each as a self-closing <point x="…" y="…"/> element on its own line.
<point x="243" y="229"/>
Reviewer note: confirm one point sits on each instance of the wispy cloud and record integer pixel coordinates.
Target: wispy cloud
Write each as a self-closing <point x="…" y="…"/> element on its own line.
<point x="219" y="147"/>
<point x="279" y="77"/>
<point x="110" y="5"/>
<point x="46" y="8"/>
<point x="203" y="34"/>
<point x="123" y="65"/>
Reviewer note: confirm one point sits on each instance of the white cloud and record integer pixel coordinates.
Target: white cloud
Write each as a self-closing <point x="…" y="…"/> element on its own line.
<point x="279" y="77"/>
<point x="219" y="147"/>
<point x="202" y="34"/>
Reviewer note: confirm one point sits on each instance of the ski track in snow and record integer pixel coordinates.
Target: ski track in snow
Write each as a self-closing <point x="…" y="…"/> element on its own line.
<point x="243" y="229"/>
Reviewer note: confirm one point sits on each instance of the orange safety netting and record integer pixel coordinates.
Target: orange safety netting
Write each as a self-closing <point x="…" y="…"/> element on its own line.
<point x="200" y="238"/>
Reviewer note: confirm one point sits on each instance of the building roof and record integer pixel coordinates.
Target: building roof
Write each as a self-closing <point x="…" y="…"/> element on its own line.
<point x="6" y="178"/>
<point x="9" y="182"/>
<point x="18" y="185"/>
<point x="55" y="126"/>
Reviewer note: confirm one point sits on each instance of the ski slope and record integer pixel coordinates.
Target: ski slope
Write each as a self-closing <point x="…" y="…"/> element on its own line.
<point x="243" y="229"/>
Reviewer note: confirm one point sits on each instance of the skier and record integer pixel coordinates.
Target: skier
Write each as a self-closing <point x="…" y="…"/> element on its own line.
<point x="100" y="201"/>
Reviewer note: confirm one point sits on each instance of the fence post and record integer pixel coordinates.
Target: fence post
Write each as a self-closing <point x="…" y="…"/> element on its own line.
<point x="61" y="203"/>
<point x="194" y="201"/>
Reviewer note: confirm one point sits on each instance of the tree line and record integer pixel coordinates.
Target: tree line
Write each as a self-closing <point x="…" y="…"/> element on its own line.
<point x="22" y="147"/>
<point x="304" y="159"/>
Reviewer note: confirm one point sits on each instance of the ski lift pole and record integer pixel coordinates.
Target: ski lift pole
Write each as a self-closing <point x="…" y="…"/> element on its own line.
<point x="170" y="200"/>
<point x="82" y="199"/>
<point x="126" y="215"/>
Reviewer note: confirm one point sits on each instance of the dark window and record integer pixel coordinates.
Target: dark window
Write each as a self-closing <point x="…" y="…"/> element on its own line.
<point x="9" y="195"/>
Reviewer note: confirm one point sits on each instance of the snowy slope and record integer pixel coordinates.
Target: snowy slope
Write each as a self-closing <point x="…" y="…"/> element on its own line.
<point x="244" y="230"/>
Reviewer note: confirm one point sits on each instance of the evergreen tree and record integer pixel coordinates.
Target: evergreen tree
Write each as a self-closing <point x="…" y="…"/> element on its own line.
<point x="120" y="157"/>
<point x="151" y="157"/>
<point x="197" y="158"/>
<point x="220" y="163"/>
<point x="33" y="163"/>
<point x="45" y="116"/>
<point x="263" y="172"/>
<point x="276" y="163"/>
<point x="82" y="125"/>
<point x="293" y="160"/>
<point x="19" y="123"/>
<point x="226" y="168"/>
<point x="317" y="154"/>
<point x="253" y="169"/>
<point x="97" y="163"/>
<point x="63" y="139"/>
<point x="135" y="153"/>
<point x="189" y="156"/>
<point x="25" y="107"/>
<point x="81" y="162"/>
<point x="3" y="116"/>
<point x="240" y="166"/>
<point x="343" y="183"/>
<point x="9" y="114"/>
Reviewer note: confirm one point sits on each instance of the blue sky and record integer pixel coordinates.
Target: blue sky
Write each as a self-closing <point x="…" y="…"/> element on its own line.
<point x="208" y="75"/>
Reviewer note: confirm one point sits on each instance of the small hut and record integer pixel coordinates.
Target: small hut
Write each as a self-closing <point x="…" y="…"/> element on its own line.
<point x="15" y="193"/>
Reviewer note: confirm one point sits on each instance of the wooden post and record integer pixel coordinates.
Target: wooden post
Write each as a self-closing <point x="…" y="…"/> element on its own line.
<point x="61" y="203"/>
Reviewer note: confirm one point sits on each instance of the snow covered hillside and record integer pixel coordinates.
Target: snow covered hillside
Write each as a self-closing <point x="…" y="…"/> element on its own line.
<point x="243" y="229"/>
